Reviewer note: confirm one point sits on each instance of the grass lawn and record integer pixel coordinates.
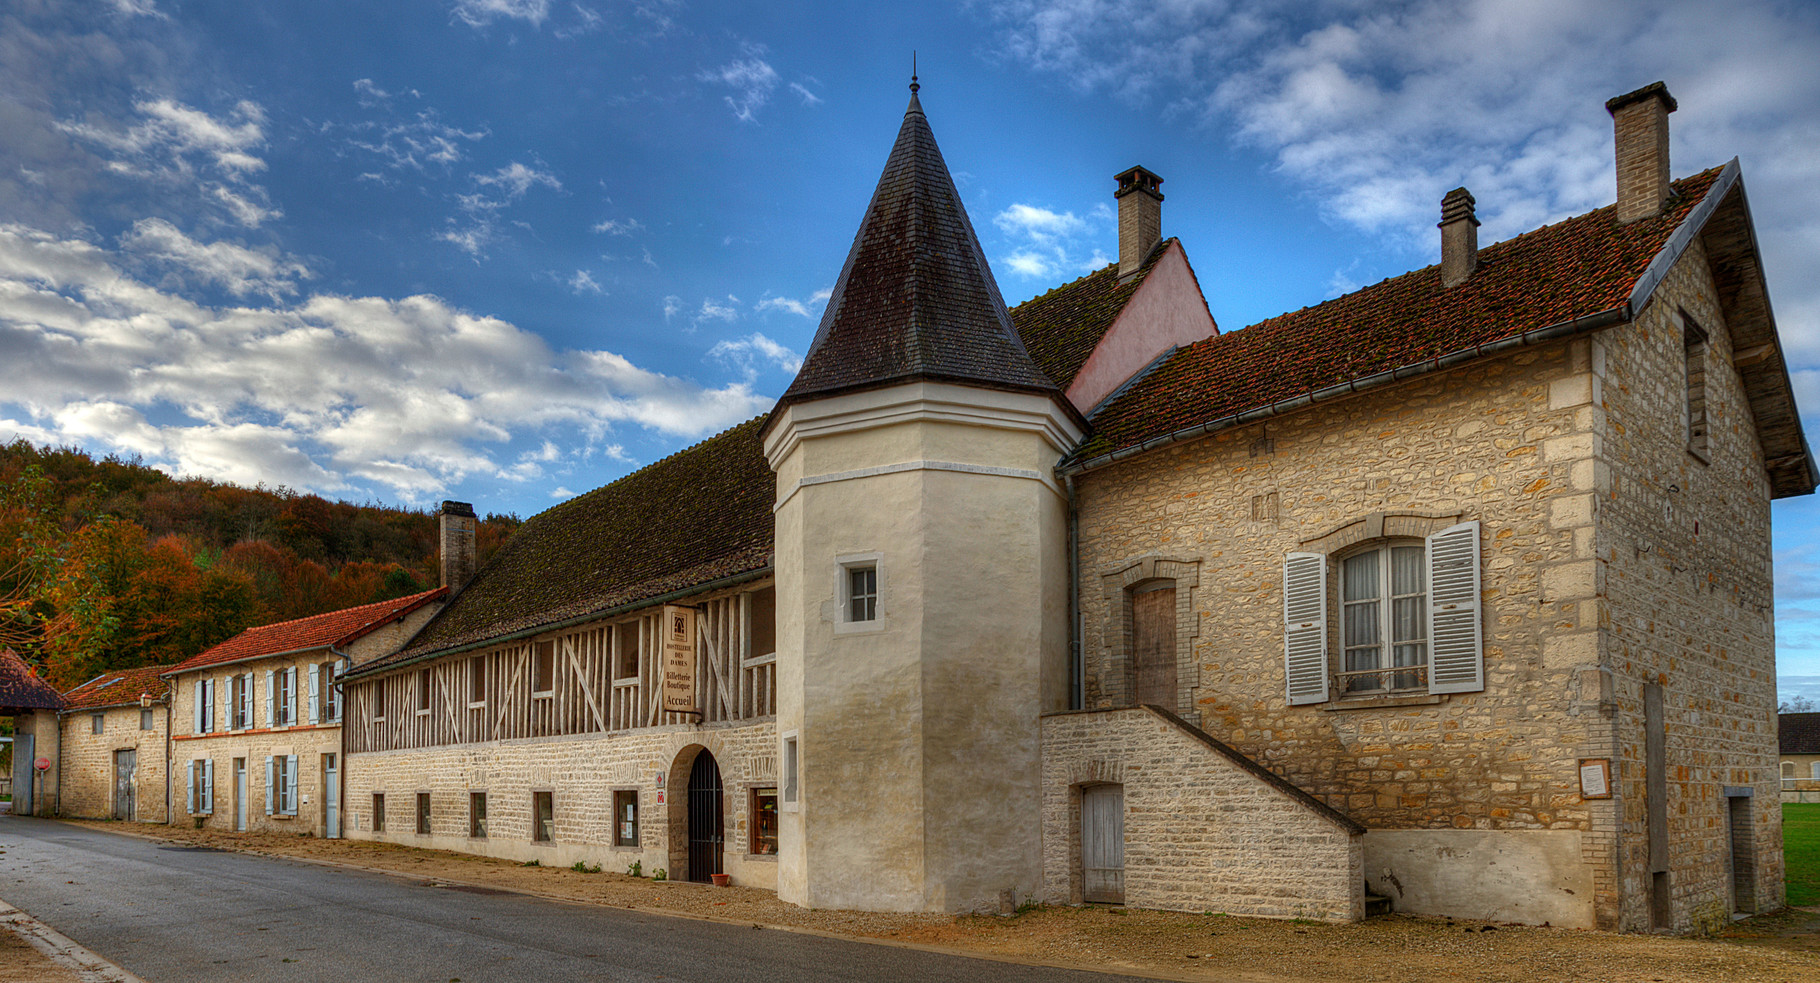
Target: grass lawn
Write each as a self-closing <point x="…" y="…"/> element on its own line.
<point x="1801" y="852"/>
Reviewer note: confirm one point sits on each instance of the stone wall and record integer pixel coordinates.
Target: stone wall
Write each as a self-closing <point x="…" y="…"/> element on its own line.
<point x="89" y="762"/>
<point x="1684" y="567"/>
<point x="1203" y="832"/>
<point x="582" y="774"/>
<point x="1499" y="442"/>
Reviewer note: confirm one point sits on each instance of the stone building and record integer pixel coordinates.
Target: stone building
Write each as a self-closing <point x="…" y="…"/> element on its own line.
<point x="1798" y="756"/>
<point x="114" y="748"/>
<point x="1457" y="586"/>
<point x="33" y="704"/>
<point x="256" y="720"/>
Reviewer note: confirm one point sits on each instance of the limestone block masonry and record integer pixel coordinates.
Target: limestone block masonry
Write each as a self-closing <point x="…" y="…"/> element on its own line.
<point x="1202" y="832"/>
<point x="581" y="774"/>
<point x="90" y="762"/>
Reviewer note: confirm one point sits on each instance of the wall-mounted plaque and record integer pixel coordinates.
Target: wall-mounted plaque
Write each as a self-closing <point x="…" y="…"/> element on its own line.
<point x="1595" y="778"/>
<point x="679" y="659"/>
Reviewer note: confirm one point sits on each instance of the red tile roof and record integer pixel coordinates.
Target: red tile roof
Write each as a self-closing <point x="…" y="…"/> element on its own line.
<point x="21" y="689"/>
<point x="333" y="628"/>
<point x="1558" y="273"/>
<point x="112" y="689"/>
<point x="1061" y="328"/>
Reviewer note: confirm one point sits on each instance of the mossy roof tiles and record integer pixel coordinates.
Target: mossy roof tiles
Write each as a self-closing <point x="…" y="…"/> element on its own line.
<point x="21" y="689"/>
<point x="118" y="688"/>
<point x="1061" y="328"/>
<point x="699" y="515"/>
<point x="317" y="631"/>
<point x="1558" y="273"/>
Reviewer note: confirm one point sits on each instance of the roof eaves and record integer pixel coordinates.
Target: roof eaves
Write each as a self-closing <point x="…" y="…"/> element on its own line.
<point x="179" y="670"/>
<point x="1564" y="329"/>
<point x="396" y="615"/>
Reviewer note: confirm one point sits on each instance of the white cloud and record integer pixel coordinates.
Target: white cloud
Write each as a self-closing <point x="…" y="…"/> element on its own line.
<point x="801" y="308"/>
<point x="480" y="13"/>
<point x="712" y="310"/>
<point x="809" y="98"/>
<point x="140" y="8"/>
<point x="583" y="283"/>
<point x="326" y="393"/>
<point x="672" y="306"/>
<point x="412" y="142"/>
<point x="179" y="145"/>
<point x="239" y="269"/>
<point x="587" y="21"/>
<point x="515" y="179"/>
<point x="618" y="227"/>
<point x="746" y="354"/>
<point x="561" y="492"/>
<point x="752" y="80"/>
<point x="1048" y="244"/>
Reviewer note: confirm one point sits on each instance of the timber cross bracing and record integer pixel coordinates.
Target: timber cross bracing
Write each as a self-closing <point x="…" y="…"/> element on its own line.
<point x="731" y="683"/>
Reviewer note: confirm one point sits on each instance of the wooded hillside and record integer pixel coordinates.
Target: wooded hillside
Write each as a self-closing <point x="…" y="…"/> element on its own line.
<point x="110" y="564"/>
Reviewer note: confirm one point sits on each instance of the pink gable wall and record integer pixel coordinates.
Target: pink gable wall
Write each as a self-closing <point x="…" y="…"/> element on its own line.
<point x="1167" y="310"/>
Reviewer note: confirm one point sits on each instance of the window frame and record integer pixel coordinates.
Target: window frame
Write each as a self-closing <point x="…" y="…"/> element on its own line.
<point x="789" y="772"/>
<point x="477" y="814"/>
<point x="424" y="817"/>
<point x="754" y="837"/>
<point x="621" y="798"/>
<point x="379" y="700"/>
<point x="537" y="661"/>
<point x="146" y="720"/>
<point x="1385" y="601"/>
<point x="540" y="833"/>
<point x="477" y="681"/>
<point x="846" y="566"/>
<point x="329" y="705"/>
<point x="1696" y="413"/>
<point x="97" y="723"/>
<point x="378" y="812"/>
<point x="284" y="712"/>
<point x="425" y="691"/>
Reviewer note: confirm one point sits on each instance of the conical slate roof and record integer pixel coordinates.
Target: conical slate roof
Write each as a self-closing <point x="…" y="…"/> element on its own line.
<point x="916" y="299"/>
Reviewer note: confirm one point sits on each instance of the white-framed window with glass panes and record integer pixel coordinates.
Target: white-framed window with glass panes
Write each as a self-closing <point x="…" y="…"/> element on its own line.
<point x="861" y="594"/>
<point x="1383" y="619"/>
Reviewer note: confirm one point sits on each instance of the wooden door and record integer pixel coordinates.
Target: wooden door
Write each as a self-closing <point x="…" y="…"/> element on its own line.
<point x="1103" y="844"/>
<point x="1153" y="644"/>
<point x="125" y="763"/>
<point x="331" y="798"/>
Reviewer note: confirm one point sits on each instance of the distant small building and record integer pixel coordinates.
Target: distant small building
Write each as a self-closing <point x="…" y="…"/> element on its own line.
<point x="1798" y="747"/>
<point x="256" y="720"/>
<point x="115" y="741"/>
<point x="33" y="705"/>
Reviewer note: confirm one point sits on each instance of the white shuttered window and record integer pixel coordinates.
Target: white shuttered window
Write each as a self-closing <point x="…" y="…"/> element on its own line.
<point x="1401" y="607"/>
<point x="1457" y="656"/>
<point x="1305" y="627"/>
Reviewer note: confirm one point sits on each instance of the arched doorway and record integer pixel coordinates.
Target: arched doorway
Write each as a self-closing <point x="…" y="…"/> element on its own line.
<point x="707" y="821"/>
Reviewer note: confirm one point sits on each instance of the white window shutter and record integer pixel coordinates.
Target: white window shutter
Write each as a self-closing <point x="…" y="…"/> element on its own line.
<point x="1456" y="656"/>
<point x="290" y="785"/>
<point x="192" y="787"/>
<point x="1305" y="627"/>
<point x="246" y="698"/>
<point x="268" y="785"/>
<point x="197" y="728"/>
<point x="315" y="693"/>
<point x="290" y="697"/>
<point x="208" y="786"/>
<point x="269" y="690"/>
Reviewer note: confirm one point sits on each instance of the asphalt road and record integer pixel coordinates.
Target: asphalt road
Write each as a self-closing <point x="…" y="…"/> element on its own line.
<point x="187" y="915"/>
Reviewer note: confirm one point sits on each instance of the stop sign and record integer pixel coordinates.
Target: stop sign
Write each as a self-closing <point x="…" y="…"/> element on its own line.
<point x="43" y="764"/>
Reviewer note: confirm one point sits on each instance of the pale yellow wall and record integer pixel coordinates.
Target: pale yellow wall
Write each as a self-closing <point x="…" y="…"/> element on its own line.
<point x="919" y="744"/>
<point x="89" y="762"/>
<point x="42" y="726"/>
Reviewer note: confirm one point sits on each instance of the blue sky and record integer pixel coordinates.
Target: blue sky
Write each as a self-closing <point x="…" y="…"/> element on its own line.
<point x="507" y="250"/>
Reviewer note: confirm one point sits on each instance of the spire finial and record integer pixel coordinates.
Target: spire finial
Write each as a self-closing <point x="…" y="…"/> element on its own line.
<point x="914" y="86"/>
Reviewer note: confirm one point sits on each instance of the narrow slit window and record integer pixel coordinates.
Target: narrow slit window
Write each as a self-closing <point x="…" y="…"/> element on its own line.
<point x="379" y="700"/>
<point x="1695" y="344"/>
<point x="764" y="621"/>
<point x="423" y="691"/>
<point x="378" y="812"/>
<point x="764" y="821"/>
<point x="477" y="815"/>
<point x="477" y="679"/>
<point x="625" y="817"/>
<point x="627" y="642"/>
<point x="423" y="812"/>
<point x="543" y="807"/>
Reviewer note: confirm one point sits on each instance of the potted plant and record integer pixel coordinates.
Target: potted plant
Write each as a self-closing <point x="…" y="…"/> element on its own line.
<point x="721" y="880"/>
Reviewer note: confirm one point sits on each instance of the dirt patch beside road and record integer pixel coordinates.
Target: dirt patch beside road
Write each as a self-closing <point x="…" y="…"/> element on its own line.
<point x="1780" y="947"/>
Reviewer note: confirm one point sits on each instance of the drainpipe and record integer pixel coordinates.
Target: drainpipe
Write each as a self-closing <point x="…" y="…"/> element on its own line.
<point x="168" y="761"/>
<point x="57" y="807"/>
<point x="341" y="760"/>
<point x="1077" y="670"/>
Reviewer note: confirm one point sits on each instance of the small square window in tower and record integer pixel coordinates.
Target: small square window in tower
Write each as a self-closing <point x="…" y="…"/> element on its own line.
<point x="861" y="588"/>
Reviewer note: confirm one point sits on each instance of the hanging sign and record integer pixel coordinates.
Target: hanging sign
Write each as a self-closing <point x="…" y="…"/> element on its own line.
<point x="679" y="659"/>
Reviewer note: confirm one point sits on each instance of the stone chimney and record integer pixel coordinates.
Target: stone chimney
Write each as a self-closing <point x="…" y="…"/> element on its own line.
<point x="1459" y="237"/>
<point x="457" y="547"/>
<point x="1640" y="126"/>
<point x="1140" y="198"/>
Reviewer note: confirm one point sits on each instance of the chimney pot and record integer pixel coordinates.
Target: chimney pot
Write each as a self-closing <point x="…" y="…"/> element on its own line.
<point x="458" y="527"/>
<point x="1459" y="237"/>
<point x="1640" y="136"/>
<point x="1140" y="198"/>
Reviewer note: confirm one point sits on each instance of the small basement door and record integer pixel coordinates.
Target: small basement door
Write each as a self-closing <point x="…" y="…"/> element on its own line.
<point x="1103" y="844"/>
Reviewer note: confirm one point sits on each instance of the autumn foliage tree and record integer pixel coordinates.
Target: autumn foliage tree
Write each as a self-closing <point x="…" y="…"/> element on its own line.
<point x="109" y="564"/>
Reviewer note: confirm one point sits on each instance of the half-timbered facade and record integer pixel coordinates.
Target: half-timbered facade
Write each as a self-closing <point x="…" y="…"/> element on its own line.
<point x="1456" y="587"/>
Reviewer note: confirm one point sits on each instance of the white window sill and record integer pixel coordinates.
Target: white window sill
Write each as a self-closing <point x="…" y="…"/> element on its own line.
<point x="858" y="627"/>
<point x="478" y="705"/>
<point x="543" y="694"/>
<point x="424" y="712"/>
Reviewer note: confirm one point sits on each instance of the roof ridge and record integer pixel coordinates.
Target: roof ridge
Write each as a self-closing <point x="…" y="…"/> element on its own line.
<point x="325" y="614"/>
<point x="641" y="469"/>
